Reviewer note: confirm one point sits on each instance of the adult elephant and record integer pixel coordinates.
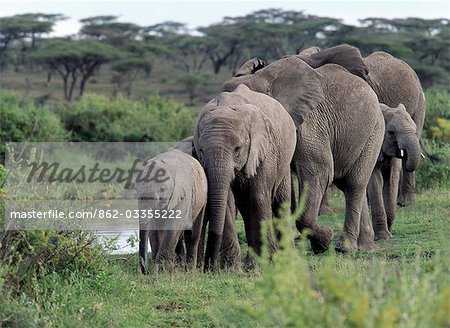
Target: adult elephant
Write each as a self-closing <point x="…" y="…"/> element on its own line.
<point x="245" y="141"/>
<point x="400" y="142"/>
<point x="230" y="250"/>
<point x="340" y="132"/>
<point x="395" y="82"/>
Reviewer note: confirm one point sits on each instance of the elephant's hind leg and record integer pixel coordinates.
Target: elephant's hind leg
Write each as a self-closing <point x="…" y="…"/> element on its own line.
<point x="319" y="236"/>
<point x="354" y="199"/>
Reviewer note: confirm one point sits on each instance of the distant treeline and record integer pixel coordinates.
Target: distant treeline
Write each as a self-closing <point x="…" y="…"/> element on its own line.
<point x="132" y="50"/>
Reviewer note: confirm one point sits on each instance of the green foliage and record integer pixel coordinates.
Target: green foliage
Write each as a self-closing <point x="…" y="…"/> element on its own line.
<point x="194" y="84"/>
<point x="98" y="118"/>
<point x="434" y="175"/>
<point x="22" y="121"/>
<point x="295" y="290"/>
<point x="437" y="115"/>
<point x="127" y="70"/>
<point x="403" y="284"/>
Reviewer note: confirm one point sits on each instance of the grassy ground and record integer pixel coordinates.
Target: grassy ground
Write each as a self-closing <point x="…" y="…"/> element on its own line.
<point x="401" y="284"/>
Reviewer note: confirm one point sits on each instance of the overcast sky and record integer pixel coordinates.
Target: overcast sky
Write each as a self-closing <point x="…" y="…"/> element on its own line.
<point x="203" y="13"/>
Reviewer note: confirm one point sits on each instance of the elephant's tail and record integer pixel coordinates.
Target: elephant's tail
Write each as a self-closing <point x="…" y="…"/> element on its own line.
<point x="427" y="151"/>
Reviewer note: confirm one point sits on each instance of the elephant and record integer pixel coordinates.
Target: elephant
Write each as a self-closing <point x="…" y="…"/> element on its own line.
<point x="395" y="82"/>
<point x="230" y="250"/>
<point x="340" y="131"/>
<point x="400" y="142"/>
<point x="245" y="141"/>
<point x="180" y="195"/>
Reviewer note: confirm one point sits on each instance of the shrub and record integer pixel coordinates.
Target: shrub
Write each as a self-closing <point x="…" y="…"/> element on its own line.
<point x="97" y="118"/>
<point x="291" y="292"/>
<point x="434" y="174"/>
<point x="438" y="113"/>
<point x="23" y="121"/>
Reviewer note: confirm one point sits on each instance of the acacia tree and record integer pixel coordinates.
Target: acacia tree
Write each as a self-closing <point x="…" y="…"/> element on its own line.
<point x="107" y="29"/>
<point x="26" y="26"/>
<point x="74" y="61"/>
<point x="127" y="70"/>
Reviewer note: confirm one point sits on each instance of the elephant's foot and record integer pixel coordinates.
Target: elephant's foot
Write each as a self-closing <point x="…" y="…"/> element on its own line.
<point x="325" y="209"/>
<point x="249" y="263"/>
<point x="406" y="199"/>
<point x="346" y="244"/>
<point x="382" y="234"/>
<point x="231" y="263"/>
<point x="366" y="245"/>
<point x="321" y="239"/>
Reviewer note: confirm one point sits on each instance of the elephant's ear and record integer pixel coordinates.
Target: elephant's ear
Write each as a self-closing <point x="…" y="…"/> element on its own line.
<point x="180" y="172"/>
<point x="250" y="67"/>
<point x="298" y="87"/>
<point x="260" y="131"/>
<point x="344" y="55"/>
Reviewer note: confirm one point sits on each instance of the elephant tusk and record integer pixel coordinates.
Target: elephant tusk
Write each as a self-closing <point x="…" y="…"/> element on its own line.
<point x="421" y="154"/>
<point x="402" y="153"/>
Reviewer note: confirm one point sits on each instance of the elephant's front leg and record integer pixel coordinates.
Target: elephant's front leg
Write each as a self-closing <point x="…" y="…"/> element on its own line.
<point x="230" y="250"/>
<point x="192" y="239"/>
<point x="375" y="194"/>
<point x="256" y="208"/>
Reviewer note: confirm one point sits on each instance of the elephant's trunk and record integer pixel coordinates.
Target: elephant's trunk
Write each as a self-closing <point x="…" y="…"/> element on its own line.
<point x="219" y="180"/>
<point x="411" y="145"/>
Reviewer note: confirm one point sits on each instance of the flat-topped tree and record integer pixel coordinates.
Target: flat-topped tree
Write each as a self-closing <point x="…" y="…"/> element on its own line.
<point x="74" y="61"/>
<point x="127" y="70"/>
<point x="106" y="28"/>
<point x="26" y="26"/>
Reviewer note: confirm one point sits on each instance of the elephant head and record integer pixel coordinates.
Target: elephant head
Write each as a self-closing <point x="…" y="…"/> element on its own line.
<point x="231" y="140"/>
<point x="400" y="139"/>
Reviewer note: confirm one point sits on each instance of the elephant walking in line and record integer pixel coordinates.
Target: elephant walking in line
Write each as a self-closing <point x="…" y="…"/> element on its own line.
<point x="230" y="250"/>
<point x="395" y="82"/>
<point x="400" y="142"/>
<point x="177" y="204"/>
<point x="245" y="141"/>
<point x="340" y="130"/>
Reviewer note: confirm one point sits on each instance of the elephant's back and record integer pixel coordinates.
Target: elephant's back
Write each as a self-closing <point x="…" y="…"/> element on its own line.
<point x="394" y="81"/>
<point x="352" y="114"/>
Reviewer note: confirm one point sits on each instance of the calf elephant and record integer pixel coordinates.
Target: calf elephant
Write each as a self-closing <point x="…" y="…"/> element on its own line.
<point x="245" y="141"/>
<point x="180" y="196"/>
<point x="395" y="82"/>
<point x="400" y="142"/>
<point x="340" y="130"/>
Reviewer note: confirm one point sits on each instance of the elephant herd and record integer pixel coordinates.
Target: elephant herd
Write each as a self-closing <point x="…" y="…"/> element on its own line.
<point x="323" y="117"/>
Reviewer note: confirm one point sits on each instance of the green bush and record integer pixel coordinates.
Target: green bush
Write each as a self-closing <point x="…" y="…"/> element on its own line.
<point x="438" y="110"/>
<point x="23" y="121"/>
<point x="434" y="174"/>
<point x="334" y="290"/>
<point x="98" y="118"/>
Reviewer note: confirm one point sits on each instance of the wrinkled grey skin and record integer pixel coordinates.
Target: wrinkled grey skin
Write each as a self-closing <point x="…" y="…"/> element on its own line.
<point x="395" y="82"/>
<point x="400" y="142"/>
<point x="340" y="132"/>
<point x="230" y="250"/>
<point x="245" y="141"/>
<point x="185" y="190"/>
